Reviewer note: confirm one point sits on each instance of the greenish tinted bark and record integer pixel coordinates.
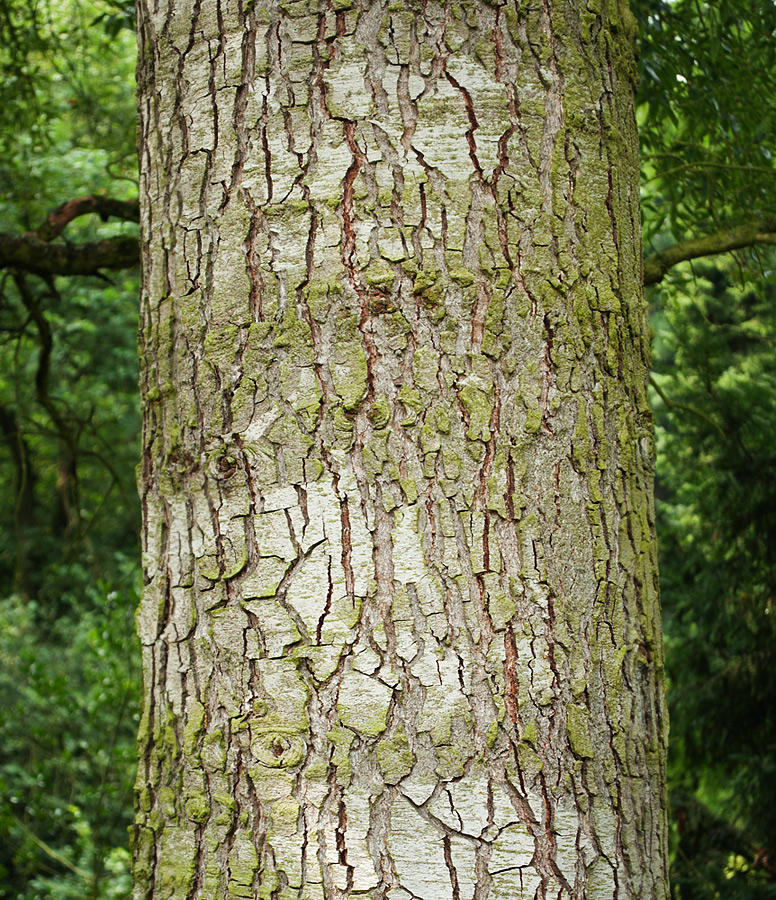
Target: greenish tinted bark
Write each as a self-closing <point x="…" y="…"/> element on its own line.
<point x="401" y="623"/>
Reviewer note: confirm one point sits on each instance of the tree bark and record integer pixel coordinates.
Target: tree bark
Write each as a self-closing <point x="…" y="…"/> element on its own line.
<point x="400" y="623"/>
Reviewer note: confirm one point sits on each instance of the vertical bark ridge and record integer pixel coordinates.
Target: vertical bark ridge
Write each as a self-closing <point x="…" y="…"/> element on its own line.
<point x="400" y="621"/>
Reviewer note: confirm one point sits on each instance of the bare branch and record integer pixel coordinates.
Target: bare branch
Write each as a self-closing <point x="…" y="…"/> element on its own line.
<point x="104" y="207"/>
<point x="34" y="252"/>
<point x="672" y="404"/>
<point x="30" y="254"/>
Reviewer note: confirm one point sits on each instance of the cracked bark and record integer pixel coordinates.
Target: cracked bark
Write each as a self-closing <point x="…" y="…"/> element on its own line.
<point x="400" y="622"/>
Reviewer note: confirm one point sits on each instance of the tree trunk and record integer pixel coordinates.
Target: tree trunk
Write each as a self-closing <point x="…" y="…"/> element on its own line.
<point x="400" y="622"/>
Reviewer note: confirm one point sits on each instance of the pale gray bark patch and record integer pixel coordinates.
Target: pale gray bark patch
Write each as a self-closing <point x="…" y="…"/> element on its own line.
<point x="400" y="624"/>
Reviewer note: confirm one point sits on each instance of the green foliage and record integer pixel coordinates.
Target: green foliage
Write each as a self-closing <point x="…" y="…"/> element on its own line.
<point x="68" y="721"/>
<point x="22" y="24"/>
<point x="119" y="14"/>
<point x="707" y="116"/>
<point x="716" y="368"/>
<point x="707" y="113"/>
<point x="69" y="426"/>
<point x="68" y="412"/>
<point x="67" y="108"/>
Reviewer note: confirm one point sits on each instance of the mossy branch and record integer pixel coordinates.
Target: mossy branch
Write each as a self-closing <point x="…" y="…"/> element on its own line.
<point x="758" y="231"/>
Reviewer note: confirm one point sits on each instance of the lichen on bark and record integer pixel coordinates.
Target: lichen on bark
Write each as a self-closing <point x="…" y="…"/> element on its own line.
<point x="400" y="622"/>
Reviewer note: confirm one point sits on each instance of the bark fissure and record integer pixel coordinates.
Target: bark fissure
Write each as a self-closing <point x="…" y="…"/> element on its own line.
<point x="400" y="616"/>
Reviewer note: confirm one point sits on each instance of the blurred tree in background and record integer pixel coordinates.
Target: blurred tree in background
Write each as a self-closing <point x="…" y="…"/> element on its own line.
<point x="716" y="368"/>
<point x="69" y="436"/>
<point x="707" y="123"/>
<point x="69" y="425"/>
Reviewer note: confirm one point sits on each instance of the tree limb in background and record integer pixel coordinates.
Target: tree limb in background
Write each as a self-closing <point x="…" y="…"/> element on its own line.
<point x="30" y="254"/>
<point x="758" y="231"/>
<point x="34" y="252"/>
<point x="105" y="207"/>
<point x="672" y="404"/>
